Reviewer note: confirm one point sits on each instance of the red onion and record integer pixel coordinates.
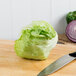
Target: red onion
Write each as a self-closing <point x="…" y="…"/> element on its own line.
<point x="71" y="31"/>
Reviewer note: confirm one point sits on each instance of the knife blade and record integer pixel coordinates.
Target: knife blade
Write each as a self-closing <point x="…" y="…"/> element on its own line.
<point x="58" y="64"/>
<point x="59" y="42"/>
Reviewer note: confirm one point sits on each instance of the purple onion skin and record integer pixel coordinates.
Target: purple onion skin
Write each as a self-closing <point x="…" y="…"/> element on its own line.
<point x="70" y="32"/>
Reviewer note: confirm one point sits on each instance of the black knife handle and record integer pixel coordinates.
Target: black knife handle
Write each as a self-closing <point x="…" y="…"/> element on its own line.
<point x="73" y="54"/>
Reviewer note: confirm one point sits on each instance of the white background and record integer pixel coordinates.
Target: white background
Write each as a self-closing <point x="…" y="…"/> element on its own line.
<point x="15" y="14"/>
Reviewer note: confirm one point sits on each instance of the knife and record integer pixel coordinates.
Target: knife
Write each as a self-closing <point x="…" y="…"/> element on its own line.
<point x="59" y="42"/>
<point x="58" y="64"/>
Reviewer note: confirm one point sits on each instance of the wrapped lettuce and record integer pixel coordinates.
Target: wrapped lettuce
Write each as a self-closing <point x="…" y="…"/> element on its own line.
<point x="36" y="41"/>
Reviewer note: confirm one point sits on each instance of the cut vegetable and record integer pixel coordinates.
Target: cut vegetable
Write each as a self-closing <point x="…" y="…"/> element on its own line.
<point x="71" y="31"/>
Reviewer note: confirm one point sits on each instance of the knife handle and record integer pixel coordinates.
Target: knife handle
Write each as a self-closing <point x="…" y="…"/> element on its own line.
<point x="73" y="54"/>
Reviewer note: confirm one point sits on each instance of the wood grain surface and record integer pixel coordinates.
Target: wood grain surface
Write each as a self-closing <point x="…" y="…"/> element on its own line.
<point x="12" y="65"/>
<point x="64" y="39"/>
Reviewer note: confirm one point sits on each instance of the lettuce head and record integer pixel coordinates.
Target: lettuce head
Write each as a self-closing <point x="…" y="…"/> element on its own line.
<point x="36" y="41"/>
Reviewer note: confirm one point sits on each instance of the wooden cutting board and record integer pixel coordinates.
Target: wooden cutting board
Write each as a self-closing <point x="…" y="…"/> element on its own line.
<point x="12" y="65"/>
